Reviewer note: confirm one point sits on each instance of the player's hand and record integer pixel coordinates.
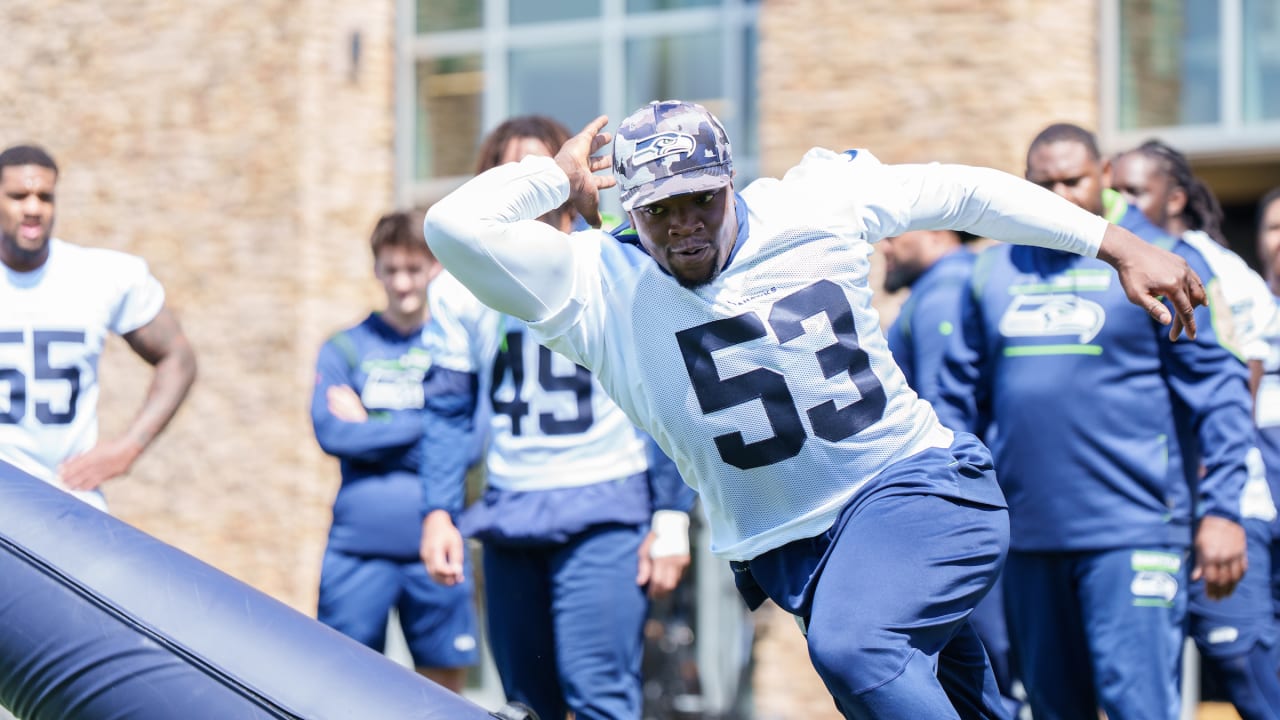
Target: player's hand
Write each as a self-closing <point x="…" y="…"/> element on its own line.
<point x="1221" y="557"/>
<point x="102" y="462"/>
<point x="441" y="548"/>
<point x="659" y="574"/>
<point x="345" y="404"/>
<point x="1149" y="273"/>
<point x="577" y="159"/>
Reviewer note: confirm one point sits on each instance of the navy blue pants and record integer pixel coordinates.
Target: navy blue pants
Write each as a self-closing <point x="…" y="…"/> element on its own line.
<point x="887" y="592"/>
<point x="1098" y="629"/>
<point x="566" y="623"/>
<point x="992" y="628"/>
<point x="1236" y="636"/>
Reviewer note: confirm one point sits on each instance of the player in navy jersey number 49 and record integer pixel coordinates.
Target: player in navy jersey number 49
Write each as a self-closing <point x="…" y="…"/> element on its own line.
<point x="737" y="329"/>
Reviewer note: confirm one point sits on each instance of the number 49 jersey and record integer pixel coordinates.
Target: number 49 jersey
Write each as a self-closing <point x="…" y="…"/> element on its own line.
<point x="552" y="425"/>
<point x="53" y="324"/>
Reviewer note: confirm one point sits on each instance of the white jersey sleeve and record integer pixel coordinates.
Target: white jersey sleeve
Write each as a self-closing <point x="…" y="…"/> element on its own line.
<point x="487" y="234"/>
<point x="889" y="200"/>
<point x="141" y="296"/>
<point x="1245" y="293"/>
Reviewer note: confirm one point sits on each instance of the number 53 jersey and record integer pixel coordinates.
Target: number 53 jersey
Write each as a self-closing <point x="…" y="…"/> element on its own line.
<point x="772" y="386"/>
<point x="53" y="324"/>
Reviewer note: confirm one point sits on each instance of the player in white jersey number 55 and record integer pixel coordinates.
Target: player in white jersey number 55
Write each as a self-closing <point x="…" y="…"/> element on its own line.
<point x="58" y="302"/>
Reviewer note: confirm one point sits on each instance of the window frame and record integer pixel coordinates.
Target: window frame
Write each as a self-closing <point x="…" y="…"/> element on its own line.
<point x="1228" y="137"/>
<point x="614" y="26"/>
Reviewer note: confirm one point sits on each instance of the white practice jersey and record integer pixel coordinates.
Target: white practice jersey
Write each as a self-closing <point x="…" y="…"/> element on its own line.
<point x="552" y="425"/>
<point x="1266" y="407"/>
<point x="53" y="324"/>
<point x="1244" y="291"/>
<point x="772" y="387"/>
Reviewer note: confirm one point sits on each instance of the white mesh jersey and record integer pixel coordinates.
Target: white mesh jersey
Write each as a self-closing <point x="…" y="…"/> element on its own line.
<point x="772" y="387"/>
<point x="53" y="324"/>
<point x="1245" y="292"/>
<point x="552" y="425"/>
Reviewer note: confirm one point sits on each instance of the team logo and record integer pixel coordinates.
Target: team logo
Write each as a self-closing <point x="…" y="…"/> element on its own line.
<point x="1155" y="582"/>
<point x="659" y="146"/>
<point x="464" y="643"/>
<point x="1052" y="315"/>
<point x="393" y="387"/>
<point x="1224" y="634"/>
<point x="1154" y="585"/>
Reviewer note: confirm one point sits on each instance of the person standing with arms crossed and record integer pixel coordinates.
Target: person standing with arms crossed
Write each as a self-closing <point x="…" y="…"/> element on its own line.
<point x="373" y="382"/>
<point x="1237" y="636"/>
<point x="737" y="329"/>
<point x="1098" y="416"/>
<point x="58" y="303"/>
<point x="581" y="517"/>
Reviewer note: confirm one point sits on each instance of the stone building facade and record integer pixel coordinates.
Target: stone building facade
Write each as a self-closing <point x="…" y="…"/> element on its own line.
<point x="242" y="152"/>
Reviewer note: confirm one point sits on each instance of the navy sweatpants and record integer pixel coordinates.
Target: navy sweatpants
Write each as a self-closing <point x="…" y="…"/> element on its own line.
<point x="1098" y="629"/>
<point x="566" y="623"/>
<point x="1237" y="636"/>
<point x="887" y="592"/>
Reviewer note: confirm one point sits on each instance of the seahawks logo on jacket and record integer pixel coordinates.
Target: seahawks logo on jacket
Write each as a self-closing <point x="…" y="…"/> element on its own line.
<point x="1053" y="315"/>
<point x="396" y="384"/>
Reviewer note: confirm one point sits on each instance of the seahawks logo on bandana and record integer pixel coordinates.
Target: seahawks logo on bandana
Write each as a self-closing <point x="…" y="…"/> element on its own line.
<point x="660" y="146"/>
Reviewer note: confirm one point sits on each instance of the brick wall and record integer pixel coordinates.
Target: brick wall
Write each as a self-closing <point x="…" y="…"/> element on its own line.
<point x="916" y="80"/>
<point x="230" y="145"/>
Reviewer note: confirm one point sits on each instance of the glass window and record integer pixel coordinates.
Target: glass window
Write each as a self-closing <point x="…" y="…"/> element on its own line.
<point x="449" y="95"/>
<point x="639" y="6"/>
<point x="1170" y="58"/>
<point x="1261" y="72"/>
<point x="521" y="12"/>
<point x="442" y="15"/>
<point x="685" y="66"/>
<point x="562" y="82"/>
<point x="750" y="143"/>
<point x="473" y="64"/>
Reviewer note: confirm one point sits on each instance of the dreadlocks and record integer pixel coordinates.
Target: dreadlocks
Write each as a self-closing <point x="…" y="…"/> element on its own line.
<point x="1202" y="211"/>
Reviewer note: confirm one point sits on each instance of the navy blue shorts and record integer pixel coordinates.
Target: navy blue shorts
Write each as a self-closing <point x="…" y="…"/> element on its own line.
<point x="439" y="622"/>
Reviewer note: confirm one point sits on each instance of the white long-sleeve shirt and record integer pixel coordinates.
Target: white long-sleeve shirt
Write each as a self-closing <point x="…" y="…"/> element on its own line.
<point x="771" y="386"/>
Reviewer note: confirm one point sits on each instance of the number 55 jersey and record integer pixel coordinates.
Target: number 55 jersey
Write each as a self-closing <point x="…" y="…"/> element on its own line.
<point x="54" y="322"/>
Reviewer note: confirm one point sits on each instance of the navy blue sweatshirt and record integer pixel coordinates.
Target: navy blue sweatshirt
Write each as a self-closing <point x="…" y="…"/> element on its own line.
<point x="1103" y="421"/>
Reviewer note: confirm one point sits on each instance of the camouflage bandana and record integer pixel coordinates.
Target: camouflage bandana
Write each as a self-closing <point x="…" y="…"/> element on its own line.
<point x="670" y="148"/>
